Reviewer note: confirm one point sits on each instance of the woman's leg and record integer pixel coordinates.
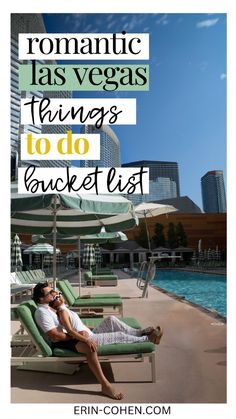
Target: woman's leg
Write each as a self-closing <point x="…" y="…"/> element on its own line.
<point x="94" y="365"/>
<point x="117" y="337"/>
<point x="113" y="324"/>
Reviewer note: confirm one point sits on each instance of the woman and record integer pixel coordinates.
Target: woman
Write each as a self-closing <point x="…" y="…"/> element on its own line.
<point x="111" y="330"/>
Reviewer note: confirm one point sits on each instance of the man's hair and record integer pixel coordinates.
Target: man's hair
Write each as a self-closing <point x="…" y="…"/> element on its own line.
<point x="38" y="291"/>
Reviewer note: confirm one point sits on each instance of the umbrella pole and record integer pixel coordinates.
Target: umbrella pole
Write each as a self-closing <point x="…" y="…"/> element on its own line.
<point x="147" y="231"/>
<point x="79" y="266"/>
<point x="54" y="264"/>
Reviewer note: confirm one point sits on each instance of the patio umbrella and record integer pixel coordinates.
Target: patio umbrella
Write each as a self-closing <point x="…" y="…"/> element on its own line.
<point x="41" y="249"/>
<point x="98" y="255"/>
<point x="48" y="259"/>
<point x="37" y="259"/>
<point x="100" y="238"/>
<point x="72" y="255"/>
<point x="218" y="254"/>
<point x="199" y="246"/>
<point x="69" y="214"/>
<point x="60" y="258"/>
<point x="16" y="259"/>
<point x="150" y="209"/>
<point x="88" y="256"/>
<point x="201" y="257"/>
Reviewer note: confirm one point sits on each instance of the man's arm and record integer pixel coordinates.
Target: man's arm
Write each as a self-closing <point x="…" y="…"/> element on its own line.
<point x="57" y="336"/>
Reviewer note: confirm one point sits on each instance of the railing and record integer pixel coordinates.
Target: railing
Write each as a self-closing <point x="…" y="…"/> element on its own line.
<point x="145" y="275"/>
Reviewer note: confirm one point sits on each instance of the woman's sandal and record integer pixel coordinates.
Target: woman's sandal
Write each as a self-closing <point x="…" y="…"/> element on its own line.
<point x="156" y="335"/>
<point x="148" y="331"/>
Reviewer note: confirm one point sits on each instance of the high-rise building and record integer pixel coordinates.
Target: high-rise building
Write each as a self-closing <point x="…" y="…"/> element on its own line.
<point x="213" y="192"/>
<point x="20" y="23"/>
<point x="32" y="23"/>
<point x="109" y="147"/>
<point x="56" y="129"/>
<point x="163" y="180"/>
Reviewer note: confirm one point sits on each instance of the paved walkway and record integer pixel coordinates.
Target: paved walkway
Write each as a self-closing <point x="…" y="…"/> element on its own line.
<point x="191" y="359"/>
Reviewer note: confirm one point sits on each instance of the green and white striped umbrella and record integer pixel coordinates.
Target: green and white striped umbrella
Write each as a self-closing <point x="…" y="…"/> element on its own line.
<point x="41" y="249"/>
<point x="48" y="259"/>
<point x="88" y="256"/>
<point x="100" y="238"/>
<point x="37" y="259"/>
<point x="69" y="214"/>
<point x="98" y="255"/>
<point x="16" y="259"/>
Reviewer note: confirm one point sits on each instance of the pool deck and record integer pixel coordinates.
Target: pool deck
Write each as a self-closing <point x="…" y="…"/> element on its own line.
<point x="190" y="360"/>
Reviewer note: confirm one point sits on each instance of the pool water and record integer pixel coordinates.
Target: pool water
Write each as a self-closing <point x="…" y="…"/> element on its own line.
<point x="206" y="290"/>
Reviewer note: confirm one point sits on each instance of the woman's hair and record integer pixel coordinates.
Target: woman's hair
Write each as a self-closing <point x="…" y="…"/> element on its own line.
<point x="38" y="291"/>
<point x="51" y="303"/>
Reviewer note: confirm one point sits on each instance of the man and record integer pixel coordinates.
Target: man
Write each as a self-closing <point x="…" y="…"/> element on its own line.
<point x="111" y="330"/>
<point x="48" y="322"/>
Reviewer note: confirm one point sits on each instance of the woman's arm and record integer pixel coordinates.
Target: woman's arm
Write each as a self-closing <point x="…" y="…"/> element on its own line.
<point x="65" y="321"/>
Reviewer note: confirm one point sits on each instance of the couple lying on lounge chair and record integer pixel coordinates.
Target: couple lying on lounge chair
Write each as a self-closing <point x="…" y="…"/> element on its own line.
<point x="63" y="328"/>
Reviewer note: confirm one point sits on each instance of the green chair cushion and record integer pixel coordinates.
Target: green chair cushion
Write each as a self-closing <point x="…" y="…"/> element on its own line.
<point x="87" y="302"/>
<point x="66" y="292"/>
<point x="87" y="276"/>
<point x="104" y="277"/>
<point x="112" y="295"/>
<point x="113" y="349"/>
<point x="24" y="313"/>
<point x="70" y="288"/>
<point x="72" y="291"/>
<point x="97" y="302"/>
<point x="96" y="273"/>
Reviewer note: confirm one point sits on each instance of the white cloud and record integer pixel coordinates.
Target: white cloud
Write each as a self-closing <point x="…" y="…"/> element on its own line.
<point x="207" y="23"/>
<point x="223" y="76"/>
<point x="162" y="20"/>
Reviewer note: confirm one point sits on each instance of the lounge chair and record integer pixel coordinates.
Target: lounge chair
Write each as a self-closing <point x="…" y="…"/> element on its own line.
<point x="72" y="291"/>
<point x="18" y="288"/>
<point x="100" y="280"/>
<point x="44" y="355"/>
<point x="99" y="272"/>
<point x="91" y="304"/>
<point x="38" y="273"/>
<point x="17" y="291"/>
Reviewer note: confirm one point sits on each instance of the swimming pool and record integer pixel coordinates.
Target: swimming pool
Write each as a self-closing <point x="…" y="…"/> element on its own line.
<point x="206" y="290"/>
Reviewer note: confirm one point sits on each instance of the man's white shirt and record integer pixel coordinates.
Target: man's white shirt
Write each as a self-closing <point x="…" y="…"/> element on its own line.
<point x="47" y="320"/>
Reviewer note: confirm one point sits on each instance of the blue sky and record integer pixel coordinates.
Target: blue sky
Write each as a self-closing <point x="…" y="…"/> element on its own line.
<point x="183" y="116"/>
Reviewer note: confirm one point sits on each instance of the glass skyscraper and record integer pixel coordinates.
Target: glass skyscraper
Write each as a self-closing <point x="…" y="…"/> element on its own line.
<point x="163" y="180"/>
<point x="109" y="147"/>
<point x="32" y="23"/>
<point x="20" y="23"/>
<point x="213" y="192"/>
